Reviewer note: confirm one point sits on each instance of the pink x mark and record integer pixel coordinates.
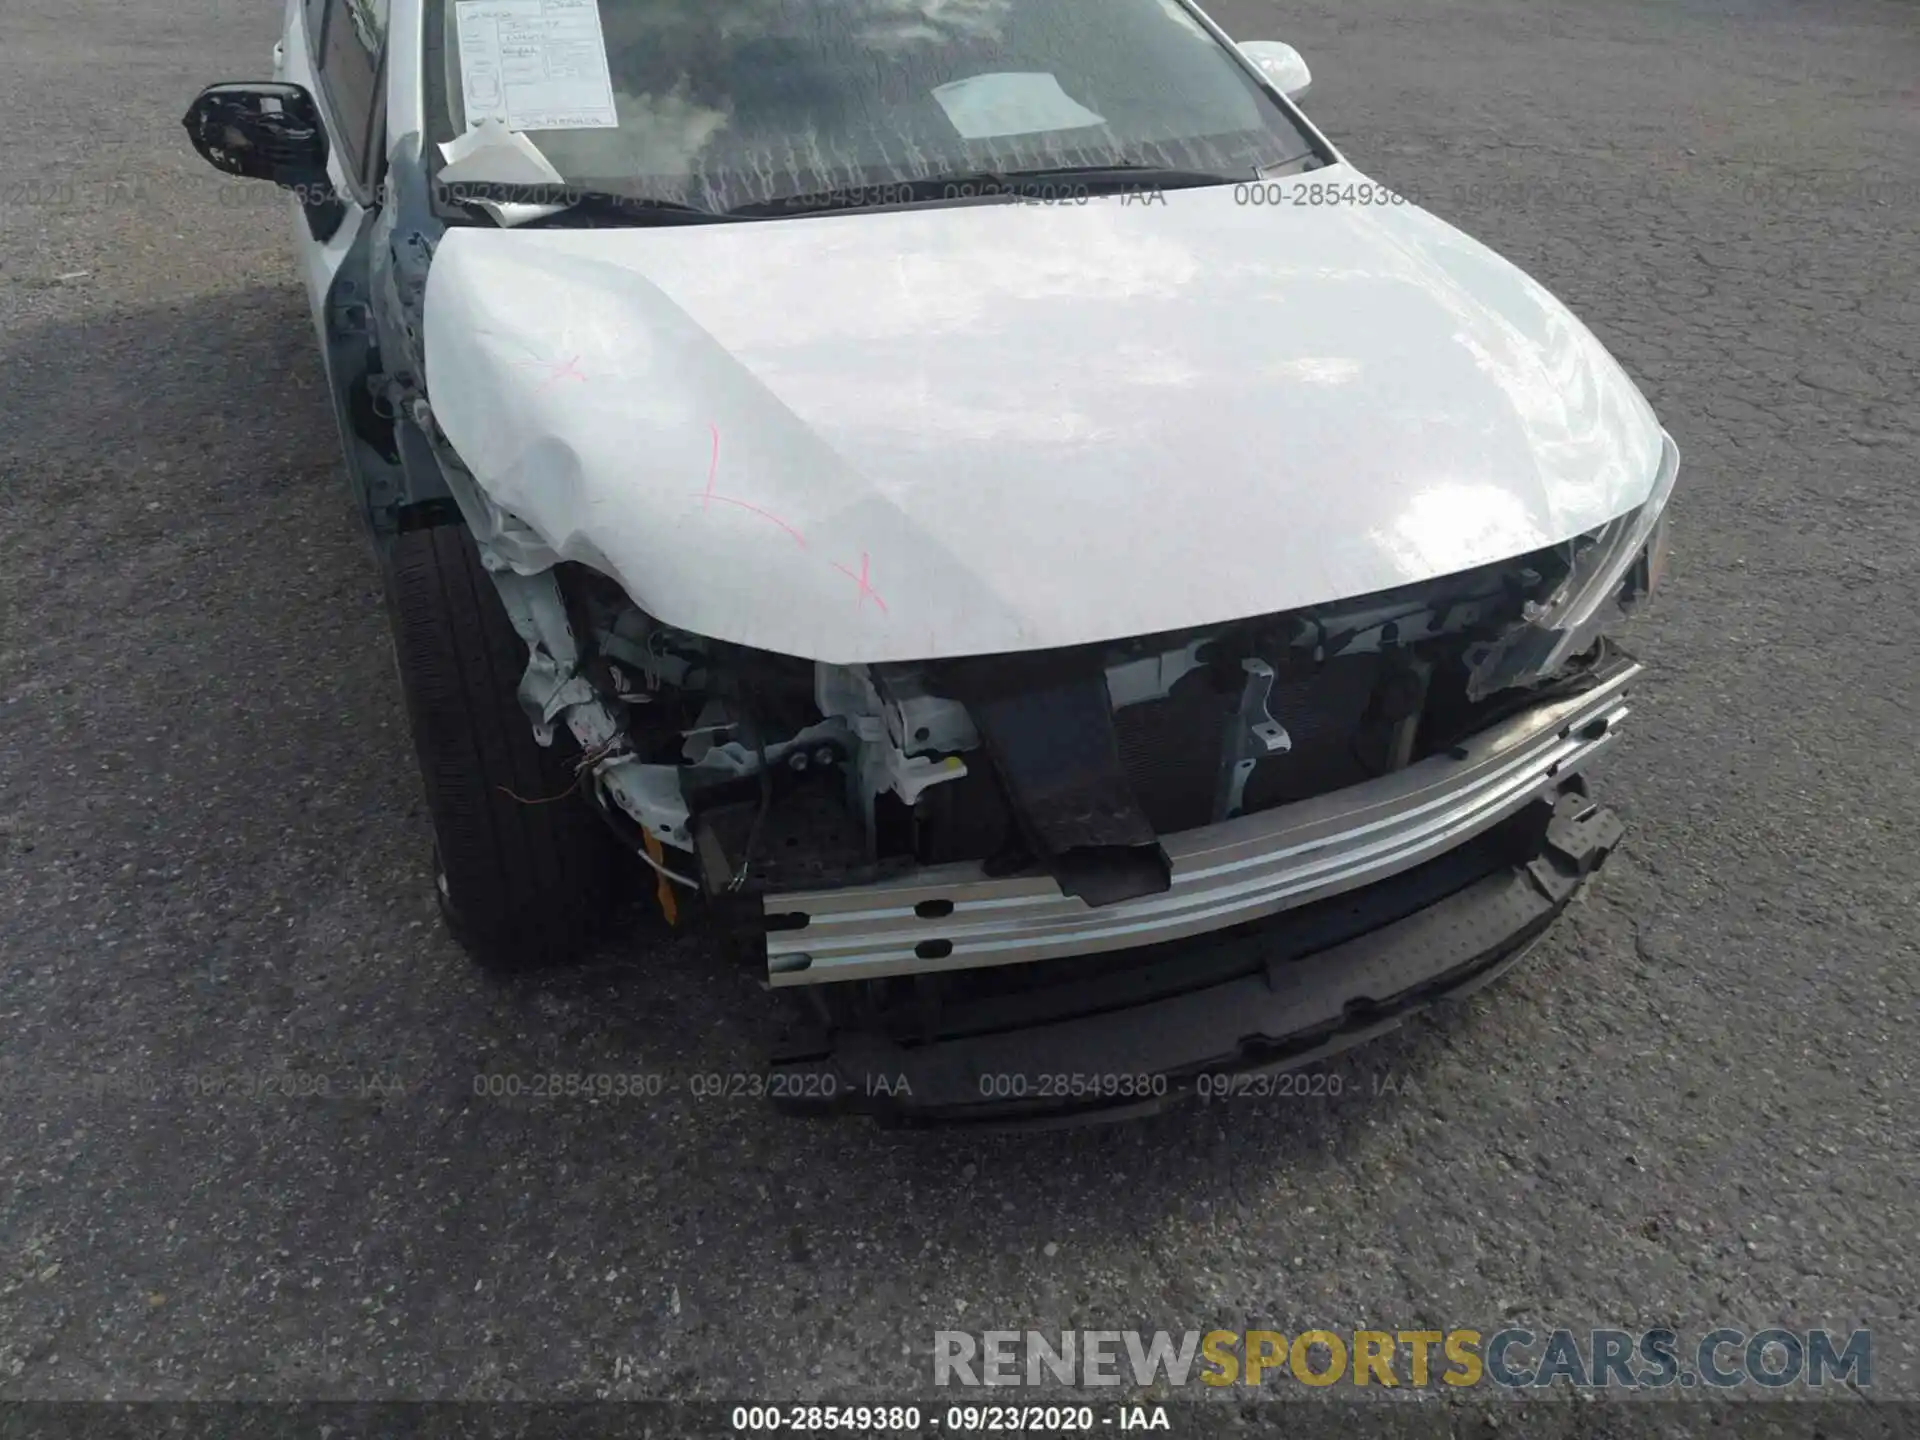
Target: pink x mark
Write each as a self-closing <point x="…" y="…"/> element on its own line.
<point x="861" y="579"/>
<point x="567" y="370"/>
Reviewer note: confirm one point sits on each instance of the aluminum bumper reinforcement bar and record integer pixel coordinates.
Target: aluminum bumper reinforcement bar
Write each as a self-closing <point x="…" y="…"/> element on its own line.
<point x="954" y="917"/>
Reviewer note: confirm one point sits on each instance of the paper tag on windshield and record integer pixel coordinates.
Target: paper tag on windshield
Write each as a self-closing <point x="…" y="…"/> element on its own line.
<point x="535" y="64"/>
<point x="1015" y="102"/>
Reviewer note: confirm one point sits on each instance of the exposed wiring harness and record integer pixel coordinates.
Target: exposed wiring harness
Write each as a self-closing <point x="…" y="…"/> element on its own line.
<point x="589" y="758"/>
<point x="665" y="873"/>
<point x="759" y="816"/>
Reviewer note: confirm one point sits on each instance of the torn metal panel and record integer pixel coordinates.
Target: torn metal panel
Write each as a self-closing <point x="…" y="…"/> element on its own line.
<point x="893" y="756"/>
<point x="554" y="689"/>
<point x="650" y="795"/>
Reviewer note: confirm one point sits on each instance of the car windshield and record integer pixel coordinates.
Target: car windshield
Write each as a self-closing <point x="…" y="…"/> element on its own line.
<point x="721" y="104"/>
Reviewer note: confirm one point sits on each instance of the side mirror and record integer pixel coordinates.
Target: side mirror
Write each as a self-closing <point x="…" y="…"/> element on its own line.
<point x="1281" y="64"/>
<point x="269" y="130"/>
<point x="264" y="130"/>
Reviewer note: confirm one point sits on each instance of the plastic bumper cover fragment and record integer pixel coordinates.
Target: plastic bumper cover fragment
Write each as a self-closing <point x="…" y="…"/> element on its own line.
<point x="1282" y="1010"/>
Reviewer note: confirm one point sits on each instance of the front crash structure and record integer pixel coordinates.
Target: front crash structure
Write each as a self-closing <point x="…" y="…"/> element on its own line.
<point x="943" y="859"/>
<point x="895" y="819"/>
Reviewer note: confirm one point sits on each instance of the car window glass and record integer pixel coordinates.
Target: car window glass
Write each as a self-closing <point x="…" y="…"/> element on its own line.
<point x="349" y="66"/>
<point x="729" y="101"/>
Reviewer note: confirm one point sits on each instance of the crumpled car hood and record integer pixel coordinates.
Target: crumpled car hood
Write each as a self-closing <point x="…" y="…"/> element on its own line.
<point x="991" y="428"/>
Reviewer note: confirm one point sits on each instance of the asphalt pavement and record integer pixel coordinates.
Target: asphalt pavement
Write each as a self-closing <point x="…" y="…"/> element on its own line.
<point x="1693" y="1106"/>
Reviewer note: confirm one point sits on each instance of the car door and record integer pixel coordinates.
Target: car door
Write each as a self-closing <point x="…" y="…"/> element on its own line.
<point x="335" y="48"/>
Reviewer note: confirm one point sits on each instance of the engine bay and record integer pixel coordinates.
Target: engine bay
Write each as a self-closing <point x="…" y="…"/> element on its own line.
<point x="736" y="772"/>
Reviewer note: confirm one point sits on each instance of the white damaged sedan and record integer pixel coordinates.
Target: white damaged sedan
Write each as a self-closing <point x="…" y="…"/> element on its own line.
<point x="977" y="497"/>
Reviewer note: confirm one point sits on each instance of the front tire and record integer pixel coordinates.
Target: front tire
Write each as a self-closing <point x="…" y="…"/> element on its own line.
<point x="525" y="871"/>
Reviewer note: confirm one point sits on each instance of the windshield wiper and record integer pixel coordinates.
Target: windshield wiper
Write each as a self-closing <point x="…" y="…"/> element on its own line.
<point x="1040" y="182"/>
<point x="603" y="206"/>
<point x="1297" y="165"/>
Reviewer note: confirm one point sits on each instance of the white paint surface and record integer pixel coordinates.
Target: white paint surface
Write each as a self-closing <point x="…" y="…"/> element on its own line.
<point x="977" y="429"/>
